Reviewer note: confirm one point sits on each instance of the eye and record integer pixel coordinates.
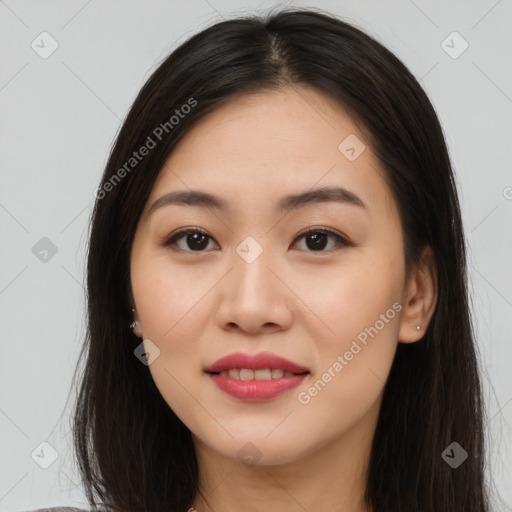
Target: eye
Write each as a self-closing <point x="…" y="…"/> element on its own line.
<point x="197" y="240"/>
<point x="318" y="238"/>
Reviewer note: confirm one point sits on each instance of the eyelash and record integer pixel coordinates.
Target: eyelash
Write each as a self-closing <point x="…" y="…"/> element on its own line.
<point x="170" y="241"/>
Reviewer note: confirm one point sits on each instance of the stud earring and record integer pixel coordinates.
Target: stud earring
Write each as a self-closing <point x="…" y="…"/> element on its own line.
<point x="418" y="327"/>
<point x="134" y="323"/>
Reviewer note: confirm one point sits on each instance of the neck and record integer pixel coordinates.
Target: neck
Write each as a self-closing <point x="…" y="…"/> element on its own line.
<point x="331" y="477"/>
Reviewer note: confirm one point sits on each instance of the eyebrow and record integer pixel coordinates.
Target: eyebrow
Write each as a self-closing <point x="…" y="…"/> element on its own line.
<point x="287" y="203"/>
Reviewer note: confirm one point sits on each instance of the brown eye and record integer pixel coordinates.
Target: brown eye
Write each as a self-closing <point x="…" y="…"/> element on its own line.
<point x="318" y="238"/>
<point x="195" y="240"/>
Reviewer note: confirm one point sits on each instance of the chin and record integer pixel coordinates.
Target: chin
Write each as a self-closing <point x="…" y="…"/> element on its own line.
<point x="260" y="450"/>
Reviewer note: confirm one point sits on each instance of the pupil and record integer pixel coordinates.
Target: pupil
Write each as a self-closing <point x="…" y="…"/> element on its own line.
<point x="196" y="237"/>
<point x="319" y="241"/>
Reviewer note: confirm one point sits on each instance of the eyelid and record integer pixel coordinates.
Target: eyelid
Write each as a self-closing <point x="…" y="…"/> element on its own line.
<point x="328" y="231"/>
<point x="342" y="240"/>
<point x="169" y="240"/>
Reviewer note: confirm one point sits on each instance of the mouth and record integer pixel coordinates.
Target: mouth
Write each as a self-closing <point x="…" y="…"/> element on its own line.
<point x="256" y="385"/>
<point x="260" y="374"/>
<point x="255" y="377"/>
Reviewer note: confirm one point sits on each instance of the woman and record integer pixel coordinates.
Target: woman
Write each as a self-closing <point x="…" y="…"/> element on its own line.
<point x="277" y="303"/>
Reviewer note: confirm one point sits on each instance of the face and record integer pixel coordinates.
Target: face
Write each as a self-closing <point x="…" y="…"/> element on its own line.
<point x="245" y="276"/>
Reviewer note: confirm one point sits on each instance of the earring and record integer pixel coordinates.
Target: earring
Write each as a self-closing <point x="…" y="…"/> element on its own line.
<point x="134" y="323"/>
<point x="418" y="327"/>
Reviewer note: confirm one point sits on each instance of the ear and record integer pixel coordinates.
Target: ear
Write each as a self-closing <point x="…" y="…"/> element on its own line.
<point x="420" y="298"/>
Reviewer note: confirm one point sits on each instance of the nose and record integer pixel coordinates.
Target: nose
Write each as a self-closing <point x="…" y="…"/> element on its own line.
<point x="254" y="297"/>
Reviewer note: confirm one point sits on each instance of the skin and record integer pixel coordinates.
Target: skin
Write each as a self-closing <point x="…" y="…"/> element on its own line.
<point x="305" y="305"/>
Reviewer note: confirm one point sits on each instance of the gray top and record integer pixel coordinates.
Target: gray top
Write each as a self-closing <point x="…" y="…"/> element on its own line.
<point x="59" y="509"/>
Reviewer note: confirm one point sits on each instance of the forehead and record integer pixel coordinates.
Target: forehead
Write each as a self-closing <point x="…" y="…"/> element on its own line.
<point x="262" y="146"/>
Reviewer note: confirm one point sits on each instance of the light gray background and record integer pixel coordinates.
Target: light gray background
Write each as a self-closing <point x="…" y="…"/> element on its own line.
<point x="59" y="117"/>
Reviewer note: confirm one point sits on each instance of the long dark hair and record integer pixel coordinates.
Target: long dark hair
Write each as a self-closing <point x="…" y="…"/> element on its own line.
<point x="134" y="453"/>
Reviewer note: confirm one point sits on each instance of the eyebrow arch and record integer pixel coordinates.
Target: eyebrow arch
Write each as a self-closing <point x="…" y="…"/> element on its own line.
<point x="285" y="204"/>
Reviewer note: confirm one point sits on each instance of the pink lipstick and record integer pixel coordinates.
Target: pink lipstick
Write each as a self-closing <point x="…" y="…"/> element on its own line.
<point x="256" y="377"/>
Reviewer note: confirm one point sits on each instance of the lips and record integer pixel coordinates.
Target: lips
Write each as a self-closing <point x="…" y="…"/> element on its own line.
<point x="256" y="378"/>
<point x="259" y="361"/>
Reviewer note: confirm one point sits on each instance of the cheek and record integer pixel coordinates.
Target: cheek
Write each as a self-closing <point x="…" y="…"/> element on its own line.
<point x="172" y="302"/>
<point x="345" y="300"/>
<point x="169" y="304"/>
<point x="356" y="330"/>
<point x="166" y="296"/>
